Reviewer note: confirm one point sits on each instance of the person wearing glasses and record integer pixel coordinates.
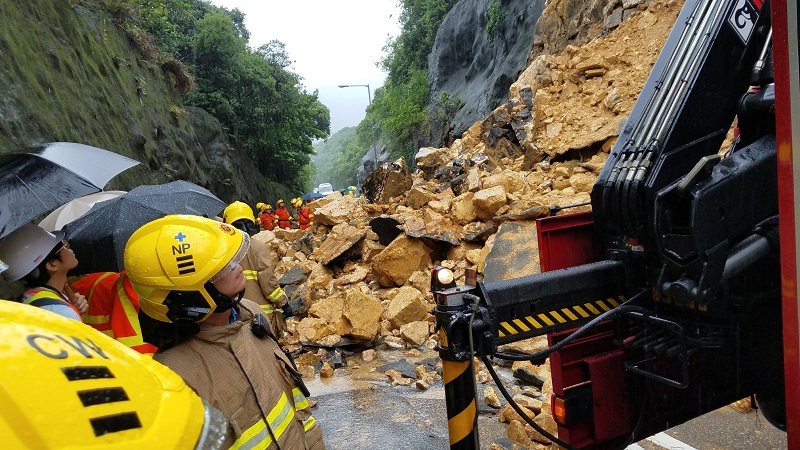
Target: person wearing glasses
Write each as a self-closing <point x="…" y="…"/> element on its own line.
<point x="41" y="260"/>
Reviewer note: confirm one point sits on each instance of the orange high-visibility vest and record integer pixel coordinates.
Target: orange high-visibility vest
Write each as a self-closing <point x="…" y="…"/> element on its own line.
<point x="44" y="296"/>
<point x="114" y="308"/>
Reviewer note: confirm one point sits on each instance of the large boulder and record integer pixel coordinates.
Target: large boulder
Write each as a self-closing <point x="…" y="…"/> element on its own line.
<point x="399" y="260"/>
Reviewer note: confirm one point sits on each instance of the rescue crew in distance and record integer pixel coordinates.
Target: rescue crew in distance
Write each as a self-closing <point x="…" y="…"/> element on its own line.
<point x="186" y="271"/>
<point x="266" y="216"/>
<point x="282" y="217"/>
<point x="304" y="215"/>
<point x="262" y="282"/>
<point x="42" y="259"/>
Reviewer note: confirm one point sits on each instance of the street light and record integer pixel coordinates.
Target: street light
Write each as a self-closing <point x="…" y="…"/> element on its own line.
<point x="369" y="94"/>
<point x="369" y="97"/>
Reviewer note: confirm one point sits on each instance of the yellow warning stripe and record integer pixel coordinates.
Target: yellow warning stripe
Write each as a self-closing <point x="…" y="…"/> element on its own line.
<point x="558" y="317"/>
<point x="521" y="324"/>
<point x="533" y="322"/>
<point x="461" y="425"/>
<point x="546" y="320"/>
<point x="565" y="315"/>
<point x="453" y="369"/>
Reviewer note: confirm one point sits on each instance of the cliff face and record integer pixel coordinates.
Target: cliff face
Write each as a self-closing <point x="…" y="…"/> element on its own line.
<point x="69" y="74"/>
<point x="474" y="60"/>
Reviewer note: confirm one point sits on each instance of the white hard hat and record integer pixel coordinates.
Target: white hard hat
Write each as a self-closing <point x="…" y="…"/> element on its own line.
<point x="25" y="248"/>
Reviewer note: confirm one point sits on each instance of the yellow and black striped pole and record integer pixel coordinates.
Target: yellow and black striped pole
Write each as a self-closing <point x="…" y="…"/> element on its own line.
<point x="453" y="322"/>
<point x="462" y="409"/>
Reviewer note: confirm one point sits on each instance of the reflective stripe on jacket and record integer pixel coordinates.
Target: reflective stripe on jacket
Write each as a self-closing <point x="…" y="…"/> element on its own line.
<point x="249" y="380"/>
<point x="43" y="297"/>
<point x="114" y="308"/>
<point x="262" y="282"/>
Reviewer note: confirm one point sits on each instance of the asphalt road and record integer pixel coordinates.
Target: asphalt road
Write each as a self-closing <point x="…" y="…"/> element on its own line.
<point x="359" y="409"/>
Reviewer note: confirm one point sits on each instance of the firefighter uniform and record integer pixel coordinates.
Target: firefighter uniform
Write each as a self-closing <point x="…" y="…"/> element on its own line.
<point x="282" y="216"/>
<point x="304" y="216"/>
<point x="272" y="395"/>
<point x="267" y="218"/>
<point x="262" y="284"/>
<point x="113" y="308"/>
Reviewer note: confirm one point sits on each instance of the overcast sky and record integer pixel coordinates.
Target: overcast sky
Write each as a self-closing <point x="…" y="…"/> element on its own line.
<point x="331" y="43"/>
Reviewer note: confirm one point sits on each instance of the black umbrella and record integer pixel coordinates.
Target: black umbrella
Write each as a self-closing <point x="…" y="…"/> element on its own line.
<point x="43" y="178"/>
<point x="98" y="238"/>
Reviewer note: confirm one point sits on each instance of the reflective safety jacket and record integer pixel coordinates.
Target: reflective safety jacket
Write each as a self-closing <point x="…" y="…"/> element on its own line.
<point x="262" y="284"/>
<point x="50" y="299"/>
<point x="250" y="380"/>
<point x="113" y="308"/>
<point x="267" y="221"/>
<point x="304" y="217"/>
<point x="283" y="217"/>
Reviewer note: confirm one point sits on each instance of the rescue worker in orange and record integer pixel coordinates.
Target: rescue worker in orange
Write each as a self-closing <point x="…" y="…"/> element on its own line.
<point x="187" y="272"/>
<point x="113" y="308"/>
<point x="262" y="282"/>
<point x="304" y="216"/>
<point x="266" y="216"/>
<point x="282" y="217"/>
<point x="42" y="259"/>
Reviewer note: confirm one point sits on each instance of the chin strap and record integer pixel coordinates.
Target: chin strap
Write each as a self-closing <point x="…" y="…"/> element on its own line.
<point x="223" y="302"/>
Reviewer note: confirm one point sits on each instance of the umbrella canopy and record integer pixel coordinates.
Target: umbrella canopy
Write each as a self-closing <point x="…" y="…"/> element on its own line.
<point x="43" y="178"/>
<point x="311" y="196"/>
<point x="98" y="237"/>
<point x="74" y="209"/>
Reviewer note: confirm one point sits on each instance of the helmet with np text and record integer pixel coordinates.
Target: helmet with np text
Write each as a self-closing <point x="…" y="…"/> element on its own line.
<point x="69" y="386"/>
<point x="240" y="215"/>
<point x="173" y="262"/>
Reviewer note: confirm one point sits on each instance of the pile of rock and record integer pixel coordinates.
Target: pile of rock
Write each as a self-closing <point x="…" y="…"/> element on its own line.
<point x="361" y="275"/>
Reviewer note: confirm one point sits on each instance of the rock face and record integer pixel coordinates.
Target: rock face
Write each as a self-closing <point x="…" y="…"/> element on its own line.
<point x="475" y="66"/>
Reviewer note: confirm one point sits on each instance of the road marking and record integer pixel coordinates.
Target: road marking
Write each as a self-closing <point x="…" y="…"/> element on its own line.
<point x="664" y="440"/>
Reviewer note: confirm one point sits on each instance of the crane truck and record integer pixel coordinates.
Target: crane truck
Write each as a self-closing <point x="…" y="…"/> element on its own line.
<point x="677" y="293"/>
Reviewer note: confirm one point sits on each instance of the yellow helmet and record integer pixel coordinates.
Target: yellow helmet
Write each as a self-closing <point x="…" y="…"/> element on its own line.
<point x="91" y="392"/>
<point x="296" y="202"/>
<point x="238" y="211"/>
<point x="267" y="206"/>
<point x="260" y="206"/>
<point x="279" y="202"/>
<point x="173" y="261"/>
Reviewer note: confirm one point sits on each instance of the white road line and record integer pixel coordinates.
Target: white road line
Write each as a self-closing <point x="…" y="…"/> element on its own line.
<point x="663" y="440"/>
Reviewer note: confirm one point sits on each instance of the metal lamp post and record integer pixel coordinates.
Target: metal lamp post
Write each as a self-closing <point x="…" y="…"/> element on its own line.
<point x="369" y="97"/>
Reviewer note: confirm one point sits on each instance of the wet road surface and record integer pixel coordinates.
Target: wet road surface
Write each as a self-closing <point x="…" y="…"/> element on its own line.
<point x="359" y="409"/>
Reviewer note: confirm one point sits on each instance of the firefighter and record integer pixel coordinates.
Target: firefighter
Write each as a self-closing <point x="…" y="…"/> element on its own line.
<point x="113" y="308"/>
<point x="267" y="217"/>
<point x="187" y="272"/>
<point x="304" y="216"/>
<point x="282" y="217"/>
<point x="42" y="259"/>
<point x="262" y="282"/>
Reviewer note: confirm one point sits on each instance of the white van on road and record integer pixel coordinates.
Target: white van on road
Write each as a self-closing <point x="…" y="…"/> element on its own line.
<point x="325" y="189"/>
